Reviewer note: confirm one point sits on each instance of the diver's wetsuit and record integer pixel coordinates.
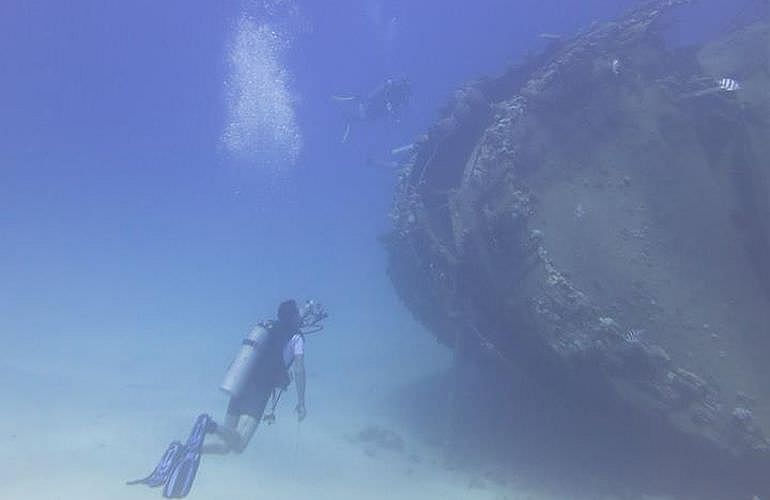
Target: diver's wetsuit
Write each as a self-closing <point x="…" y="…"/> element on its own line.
<point x="386" y="100"/>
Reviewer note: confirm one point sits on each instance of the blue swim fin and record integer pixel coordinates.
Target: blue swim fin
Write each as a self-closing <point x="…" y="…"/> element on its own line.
<point x="163" y="470"/>
<point x="180" y="481"/>
<point x="179" y="464"/>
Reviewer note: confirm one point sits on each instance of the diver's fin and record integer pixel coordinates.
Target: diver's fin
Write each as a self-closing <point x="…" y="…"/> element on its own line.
<point x="162" y="471"/>
<point x="344" y="98"/>
<point x="346" y="134"/>
<point x="181" y="480"/>
<point x="402" y="149"/>
<point x="183" y="474"/>
<point x="377" y="163"/>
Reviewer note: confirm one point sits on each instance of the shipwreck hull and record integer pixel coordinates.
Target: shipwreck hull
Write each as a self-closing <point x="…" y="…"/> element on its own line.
<point x="599" y="219"/>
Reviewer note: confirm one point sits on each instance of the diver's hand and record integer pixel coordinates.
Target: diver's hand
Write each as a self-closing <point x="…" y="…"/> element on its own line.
<point x="301" y="412"/>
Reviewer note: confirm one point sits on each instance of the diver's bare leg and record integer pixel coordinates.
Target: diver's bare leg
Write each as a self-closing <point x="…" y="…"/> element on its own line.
<point x="233" y="436"/>
<point x="227" y="437"/>
<point x="238" y="429"/>
<point x="246" y="429"/>
<point x="216" y="448"/>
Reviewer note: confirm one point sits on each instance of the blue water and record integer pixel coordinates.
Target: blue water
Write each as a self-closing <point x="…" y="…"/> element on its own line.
<point x="169" y="171"/>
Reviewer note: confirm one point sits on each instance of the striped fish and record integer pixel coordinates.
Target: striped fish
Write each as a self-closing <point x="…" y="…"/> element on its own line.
<point x="633" y="336"/>
<point x="728" y="85"/>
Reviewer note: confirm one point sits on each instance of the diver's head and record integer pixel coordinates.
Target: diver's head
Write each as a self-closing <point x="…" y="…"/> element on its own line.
<point x="288" y="314"/>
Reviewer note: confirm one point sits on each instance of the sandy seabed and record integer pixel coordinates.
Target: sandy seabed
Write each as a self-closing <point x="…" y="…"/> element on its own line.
<point x="83" y="452"/>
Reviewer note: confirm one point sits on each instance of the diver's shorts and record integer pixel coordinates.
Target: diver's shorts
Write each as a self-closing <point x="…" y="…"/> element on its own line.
<point x="252" y="402"/>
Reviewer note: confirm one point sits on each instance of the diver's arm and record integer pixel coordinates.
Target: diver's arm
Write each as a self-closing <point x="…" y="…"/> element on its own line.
<point x="299" y="380"/>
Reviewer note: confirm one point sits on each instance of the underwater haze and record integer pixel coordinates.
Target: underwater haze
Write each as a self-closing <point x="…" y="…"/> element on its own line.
<point x="171" y="171"/>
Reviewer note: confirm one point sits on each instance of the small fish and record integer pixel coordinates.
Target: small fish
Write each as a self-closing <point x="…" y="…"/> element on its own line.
<point x="728" y="85"/>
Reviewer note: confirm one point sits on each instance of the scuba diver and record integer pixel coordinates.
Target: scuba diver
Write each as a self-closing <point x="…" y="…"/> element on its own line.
<point x="250" y="387"/>
<point x="259" y="372"/>
<point x="387" y="100"/>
